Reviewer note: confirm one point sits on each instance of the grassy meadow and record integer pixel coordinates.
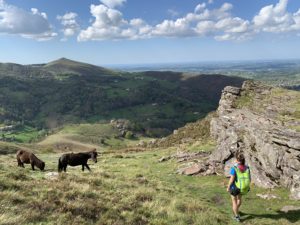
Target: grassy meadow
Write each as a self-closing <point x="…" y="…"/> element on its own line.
<point x="127" y="187"/>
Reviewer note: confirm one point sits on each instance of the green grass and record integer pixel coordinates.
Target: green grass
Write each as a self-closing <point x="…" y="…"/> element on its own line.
<point x="246" y="100"/>
<point x="95" y="133"/>
<point x="126" y="188"/>
<point x="209" y="146"/>
<point x="286" y="104"/>
<point x="8" y="148"/>
<point x="89" y="136"/>
<point x="24" y="134"/>
<point x="91" y="130"/>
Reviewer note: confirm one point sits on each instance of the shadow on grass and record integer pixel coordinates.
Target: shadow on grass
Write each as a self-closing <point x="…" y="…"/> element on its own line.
<point x="291" y="216"/>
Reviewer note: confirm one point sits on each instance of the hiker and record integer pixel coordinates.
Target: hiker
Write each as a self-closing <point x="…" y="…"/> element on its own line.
<point x="239" y="184"/>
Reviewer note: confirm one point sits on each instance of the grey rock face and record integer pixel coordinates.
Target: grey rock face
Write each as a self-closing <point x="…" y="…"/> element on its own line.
<point x="271" y="149"/>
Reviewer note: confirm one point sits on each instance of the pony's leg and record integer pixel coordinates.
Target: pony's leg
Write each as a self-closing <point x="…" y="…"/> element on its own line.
<point x="65" y="168"/>
<point x="82" y="167"/>
<point x="20" y="164"/>
<point x="32" y="166"/>
<point x="87" y="166"/>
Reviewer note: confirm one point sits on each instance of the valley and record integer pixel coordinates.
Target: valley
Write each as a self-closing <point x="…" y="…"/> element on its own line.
<point x="41" y="99"/>
<point x="153" y="132"/>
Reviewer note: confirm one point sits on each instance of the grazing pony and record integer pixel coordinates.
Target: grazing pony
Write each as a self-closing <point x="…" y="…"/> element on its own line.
<point x="29" y="158"/>
<point x="76" y="159"/>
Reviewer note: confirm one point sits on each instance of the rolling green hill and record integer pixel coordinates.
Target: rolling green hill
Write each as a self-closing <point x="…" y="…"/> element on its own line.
<point x="67" y="66"/>
<point x="47" y="96"/>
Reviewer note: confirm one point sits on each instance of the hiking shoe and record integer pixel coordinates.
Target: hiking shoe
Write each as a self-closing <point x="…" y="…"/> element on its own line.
<point x="237" y="218"/>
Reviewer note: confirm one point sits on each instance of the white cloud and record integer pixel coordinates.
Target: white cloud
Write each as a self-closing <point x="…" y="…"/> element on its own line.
<point x="34" y="24"/>
<point x="233" y="25"/>
<point x="204" y="22"/>
<point x="200" y="7"/>
<point x="274" y="18"/>
<point x="113" y="3"/>
<point x="206" y="14"/>
<point x="206" y="27"/>
<point x="35" y="11"/>
<point x="172" y="12"/>
<point x="218" y="23"/>
<point x="110" y="24"/>
<point x="69" y="23"/>
<point x="170" y="28"/>
<point x="296" y="17"/>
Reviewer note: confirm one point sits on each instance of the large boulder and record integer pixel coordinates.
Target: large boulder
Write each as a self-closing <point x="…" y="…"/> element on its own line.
<point x="244" y="123"/>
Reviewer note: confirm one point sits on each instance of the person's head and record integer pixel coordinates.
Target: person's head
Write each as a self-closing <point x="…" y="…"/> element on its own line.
<point x="240" y="158"/>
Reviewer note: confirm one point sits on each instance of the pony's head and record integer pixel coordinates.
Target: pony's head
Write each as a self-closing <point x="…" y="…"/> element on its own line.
<point x="94" y="155"/>
<point x="42" y="166"/>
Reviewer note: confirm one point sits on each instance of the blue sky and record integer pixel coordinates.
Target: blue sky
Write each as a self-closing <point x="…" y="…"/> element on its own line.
<point x="141" y="31"/>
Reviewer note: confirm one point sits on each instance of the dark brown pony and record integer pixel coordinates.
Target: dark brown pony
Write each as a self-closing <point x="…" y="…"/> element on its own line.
<point x="29" y="158"/>
<point x="76" y="159"/>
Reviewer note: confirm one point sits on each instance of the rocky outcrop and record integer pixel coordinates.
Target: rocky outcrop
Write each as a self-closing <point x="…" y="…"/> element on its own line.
<point x="190" y="134"/>
<point x="247" y="122"/>
<point x="122" y="125"/>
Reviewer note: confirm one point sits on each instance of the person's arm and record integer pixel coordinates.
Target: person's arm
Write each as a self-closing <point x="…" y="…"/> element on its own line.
<point x="231" y="180"/>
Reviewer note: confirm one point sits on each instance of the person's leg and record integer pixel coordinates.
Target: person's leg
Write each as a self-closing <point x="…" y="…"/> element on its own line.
<point x="239" y="202"/>
<point x="234" y="205"/>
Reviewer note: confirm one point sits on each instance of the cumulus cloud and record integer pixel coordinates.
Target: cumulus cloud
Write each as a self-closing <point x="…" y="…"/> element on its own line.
<point x="218" y="23"/>
<point x="200" y="7"/>
<point x="276" y="19"/>
<point x="34" y="24"/>
<point x="110" y="24"/>
<point x="69" y="23"/>
<point x="113" y="3"/>
<point x="178" y="28"/>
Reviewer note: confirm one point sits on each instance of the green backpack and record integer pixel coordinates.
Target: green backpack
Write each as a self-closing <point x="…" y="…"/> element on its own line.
<point x="243" y="180"/>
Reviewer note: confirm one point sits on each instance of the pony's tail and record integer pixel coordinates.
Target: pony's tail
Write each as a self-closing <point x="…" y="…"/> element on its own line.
<point x="60" y="165"/>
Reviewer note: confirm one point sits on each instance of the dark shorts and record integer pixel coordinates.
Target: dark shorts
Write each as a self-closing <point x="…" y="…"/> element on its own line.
<point x="234" y="190"/>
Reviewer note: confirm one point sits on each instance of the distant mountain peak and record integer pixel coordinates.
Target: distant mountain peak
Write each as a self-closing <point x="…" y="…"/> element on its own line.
<point x="63" y="60"/>
<point x="68" y="66"/>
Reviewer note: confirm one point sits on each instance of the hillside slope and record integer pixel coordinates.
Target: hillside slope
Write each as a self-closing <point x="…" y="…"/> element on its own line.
<point x="263" y="123"/>
<point x="72" y="92"/>
<point x="67" y="66"/>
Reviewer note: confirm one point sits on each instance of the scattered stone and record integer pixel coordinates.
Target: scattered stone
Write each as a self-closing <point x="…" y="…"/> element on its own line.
<point x="192" y="170"/>
<point x="51" y="175"/>
<point x="164" y="158"/>
<point x="289" y="208"/>
<point x="232" y="90"/>
<point x="267" y="196"/>
<point x="142" y="144"/>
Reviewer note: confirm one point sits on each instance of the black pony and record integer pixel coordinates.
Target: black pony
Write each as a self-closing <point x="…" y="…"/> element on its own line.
<point x="76" y="159"/>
